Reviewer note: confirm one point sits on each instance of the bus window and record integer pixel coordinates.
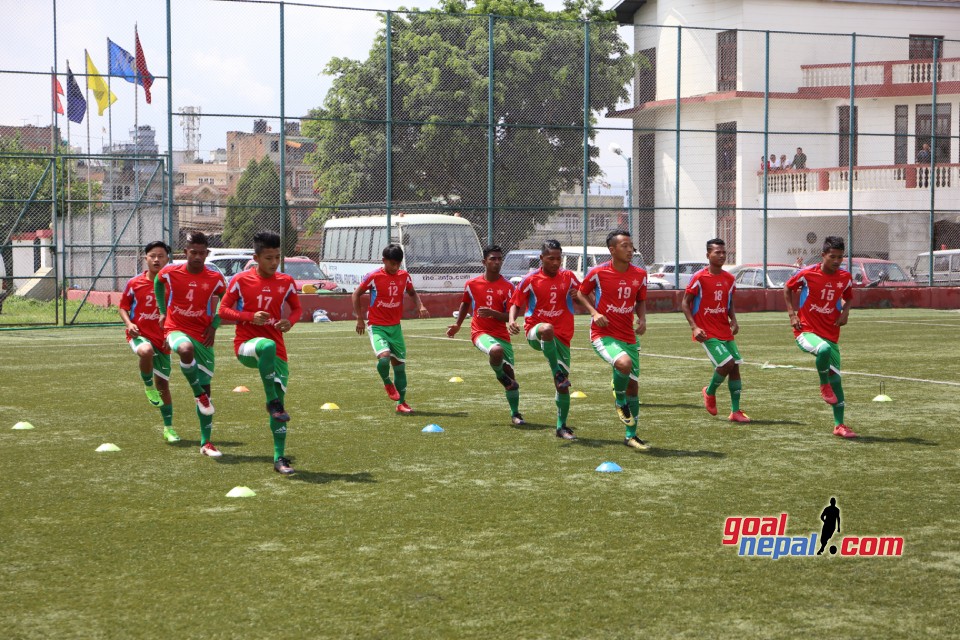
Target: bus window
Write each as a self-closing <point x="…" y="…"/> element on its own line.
<point x="363" y="252"/>
<point x="379" y="242"/>
<point x="330" y="239"/>
<point x="440" y="244"/>
<point x="350" y="243"/>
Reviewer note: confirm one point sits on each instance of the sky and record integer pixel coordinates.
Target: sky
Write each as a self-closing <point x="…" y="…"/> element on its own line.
<point x="225" y="60"/>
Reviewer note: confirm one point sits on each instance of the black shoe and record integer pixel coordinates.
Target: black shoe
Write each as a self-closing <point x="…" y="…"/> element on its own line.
<point x="282" y="466"/>
<point x="566" y="433"/>
<point x="508" y="383"/>
<point x="517" y="419"/>
<point x="276" y="411"/>
<point x="561" y="381"/>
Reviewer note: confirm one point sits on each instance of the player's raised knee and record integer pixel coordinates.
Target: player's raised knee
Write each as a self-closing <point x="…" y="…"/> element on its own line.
<point x="545" y="331"/>
<point x="145" y="351"/>
<point x="624" y="365"/>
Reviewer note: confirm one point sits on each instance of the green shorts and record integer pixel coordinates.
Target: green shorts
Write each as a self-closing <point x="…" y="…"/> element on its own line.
<point x="161" y="361"/>
<point x="202" y="353"/>
<point x="485" y="342"/>
<point x="610" y="349"/>
<point x="385" y="339"/>
<point x="721" y="352"/>
<point x="247" y="355"/>
<point x="813" y="344"/>
<point x="563" y="351"/>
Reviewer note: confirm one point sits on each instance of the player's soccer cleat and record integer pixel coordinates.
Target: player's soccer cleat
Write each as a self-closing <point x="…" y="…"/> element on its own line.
<point x="636" y="443"/>
<point x="282" y="466"/>
<point x="561" y="381"/>
<point x="517" y="419"/>
<point x="826" y="392"/>
<point x="170" y="435"/>
<point x="623" y="412"/>
<point x="392" y="392"/>
<point x="566" y="433"/>
<point x="153" y="396"/>
<point x="508" y="383"/>
<point x="709" y="402"/>
<point x="404" y="409"/>
<point x="276" y="411"/>
<point x="210" y="450"/>
<point x="844" y="431"/>
<point x="204" y="405"/>
<point x="739" y="416"/>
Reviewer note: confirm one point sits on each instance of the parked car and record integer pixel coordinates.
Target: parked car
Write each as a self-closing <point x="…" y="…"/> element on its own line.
<point x="874" y="272"/>
<point x="231" y="264"/>
<point x="750" y="276"/>
<point x="519" y="262"/>
<point x="308" y="275"/>
<point x="946" y="268"/>
<point x="665" y="271"/>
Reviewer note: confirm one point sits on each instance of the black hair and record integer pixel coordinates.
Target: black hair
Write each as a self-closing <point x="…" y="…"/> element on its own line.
<point x="265" y="240"/>
<point x="613" y="234"/>
<point x="833" y="242"/>
<point x="393" y="252"/>
<point x="198" y="237"/>
<point x="157" y="244"/>
<point x="715" y="242"/>
<point x="550" y="245"/>
<point x="491" y="248"/>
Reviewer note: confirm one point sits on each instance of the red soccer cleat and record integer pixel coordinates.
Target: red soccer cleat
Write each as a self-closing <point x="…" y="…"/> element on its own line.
<point x="210" y="450"/>
<point x="392" y="392"/>
<point x="204" y="405"/>
<point x="404" y="409"/>
<point x="739" y="416"/>
<point x="826" y="392"/>
<point x="844" y="431"/>
<point x="709" y="402"/>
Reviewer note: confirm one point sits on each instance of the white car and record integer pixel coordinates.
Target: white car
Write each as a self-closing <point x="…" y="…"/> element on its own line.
<point x="665" y="272"/>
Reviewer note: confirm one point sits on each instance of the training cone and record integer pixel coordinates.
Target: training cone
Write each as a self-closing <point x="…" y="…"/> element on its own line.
<point x="609" y="467"/>
<point x="241" y="492"/>
<point x="578" y="394"/>
<point x="432" y="428"/>
<point x="241" y="389"/>
<point x="456" y="379"/>
<point x="107" y="446"/>
<point x="883" y="398"/>
<point x="23" y="426"/>
<point x="329" y="406"/>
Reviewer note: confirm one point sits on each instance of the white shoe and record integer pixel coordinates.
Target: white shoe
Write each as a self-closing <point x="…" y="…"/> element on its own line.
<point x="210" y="450"/>
<point x="204" y="404"/>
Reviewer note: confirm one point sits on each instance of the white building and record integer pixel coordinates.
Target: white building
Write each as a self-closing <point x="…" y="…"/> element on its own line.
<point x="725" y="101"/>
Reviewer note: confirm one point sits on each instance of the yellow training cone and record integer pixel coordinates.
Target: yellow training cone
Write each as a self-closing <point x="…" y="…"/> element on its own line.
<point x="241" y="389"/>
<point x="241" y="492"/>
<point x="578" y="394"/>
<point x="456" y="379"/>
<point x="329" y="406"/>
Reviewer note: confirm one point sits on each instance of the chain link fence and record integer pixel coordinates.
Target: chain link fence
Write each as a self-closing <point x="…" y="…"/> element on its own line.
<point x="290" y="117"/>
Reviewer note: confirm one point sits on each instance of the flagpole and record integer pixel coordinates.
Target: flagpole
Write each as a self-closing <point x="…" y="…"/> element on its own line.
<point x="68" y="228"/>
<point x="136" y="147"/>
<point x="89" y="197"/>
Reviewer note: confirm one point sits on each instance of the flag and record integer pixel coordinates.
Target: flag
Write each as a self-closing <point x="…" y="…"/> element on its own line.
<point x="57" y="92"/>
<point x="143" y="74"/>
<point x="76" y="103"/>
<point x="101" y="91"/>
<point x="121" y="62"/>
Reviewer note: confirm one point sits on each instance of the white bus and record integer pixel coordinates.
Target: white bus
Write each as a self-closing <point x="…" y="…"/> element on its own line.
<point x="440" y="252"/>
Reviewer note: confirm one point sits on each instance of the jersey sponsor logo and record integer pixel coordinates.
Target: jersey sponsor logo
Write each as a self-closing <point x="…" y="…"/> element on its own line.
<point x="187" y="313"/>
<point x="550" y="314"/>
<point x="149" y="316"/>
<point x="824" y="309"/>
<point x="389" y="305"/>
<point x="713" y="311"/>
<point x="624" y="309"/>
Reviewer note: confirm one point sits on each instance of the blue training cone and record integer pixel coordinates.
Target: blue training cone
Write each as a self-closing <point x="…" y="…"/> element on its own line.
<point x="432" y="428"/>
<point x="609" y="467"/>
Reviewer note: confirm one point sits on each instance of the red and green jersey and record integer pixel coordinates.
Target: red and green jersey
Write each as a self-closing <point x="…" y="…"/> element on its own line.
<point x="820" y="296"/>
<point x="484" y="294"/>
<point x="249" y="292"/>
<point x="616" y="296"/>
<point x="548" y="299"/>
<point x="140" y="302"/>
<point x="386" y="295"/>
<point x="188" y="299"/>
<point x="712" y="300"/>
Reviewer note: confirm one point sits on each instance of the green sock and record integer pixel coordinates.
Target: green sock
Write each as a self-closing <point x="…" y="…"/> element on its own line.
<point x="147" y="378"/>
<point x="279" y="430"/>
<point x="563" y="408"/>
<point x="715" y="383"/>
<point x="823" y="364"/>
<point x="513" y="397"/>
<point x="838" y="391"/>
<point x="166" y="412"/>
<point x="400" y="373"/>
<point x="206" y="427"/>
<point x="620" y="382"/>
<point x="550" y="351"/>
<point x="498" y="369"/>
<point x="267" y="365"/>
<point x="735" y="387"/>
<point x="192" y="373"/>
<point x="634" y="404"/>
<point x="383" y="368"/>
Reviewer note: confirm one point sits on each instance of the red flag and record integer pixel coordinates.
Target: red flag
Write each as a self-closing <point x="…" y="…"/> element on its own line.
<point x="57" y="92"/>
<point x="143" y="74"/>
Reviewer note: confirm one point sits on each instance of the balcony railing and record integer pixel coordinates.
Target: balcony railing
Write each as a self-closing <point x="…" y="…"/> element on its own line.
<point x="879" y="73"/>
<point x="876" y="178"/>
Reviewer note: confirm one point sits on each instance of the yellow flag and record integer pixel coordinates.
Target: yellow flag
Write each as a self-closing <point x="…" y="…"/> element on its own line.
<point x="101" y="91"/>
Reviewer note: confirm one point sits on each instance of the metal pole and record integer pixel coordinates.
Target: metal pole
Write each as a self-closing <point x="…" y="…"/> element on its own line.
<point x="389" y="132"/>
<point x="586" y="140"/>
<point x="283" y="152"/>
<point x="170" y="199"/>
<point x="676" y="171"/>
<point x="766" y="143"/>
<point x="933" y="152"/>
<point x="55" y="148"/>
<point x="852" y="122"/>
<point x="490" y="129"/>
<point x="630" y="198"/>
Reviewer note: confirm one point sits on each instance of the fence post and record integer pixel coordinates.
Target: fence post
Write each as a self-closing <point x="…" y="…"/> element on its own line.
<point x="490" y="129"/>
<point x="766" y="146"/>
<point x="283" y="150"/>
<point x="586" y="138"/>
<point x="851" y="127"/>
<point x="170" y="192"/>
<point x="388" y="196"/>
<point x="676" y="169"/>
<point x="933" y="154"/>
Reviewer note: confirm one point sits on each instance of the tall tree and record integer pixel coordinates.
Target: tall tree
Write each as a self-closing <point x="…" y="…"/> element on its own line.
<point x="440" y="85"/>
<point x="255" y="207"/>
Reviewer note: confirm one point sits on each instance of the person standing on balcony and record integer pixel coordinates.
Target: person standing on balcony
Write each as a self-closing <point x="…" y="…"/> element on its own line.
<point x="774" y="163"/>
<point x="783" y="162"/>
<point x="923" y="156"/>
<point x="799" y="159"/>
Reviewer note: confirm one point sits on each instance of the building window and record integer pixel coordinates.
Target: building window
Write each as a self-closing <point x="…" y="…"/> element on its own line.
<point x="305" y="183"/>
<point x="204" y="208"/>
<point x="924" y="128"/>
<point x="205" y="181"/>
<point x="274" y="146"/>
<point x="727" y="61"/>
<point x="848" y="136"/>
<point x="922" y="47"/>
<point x="180" y="178"/>
<point x="646" y="89"/>
<point x="900" y="138"/>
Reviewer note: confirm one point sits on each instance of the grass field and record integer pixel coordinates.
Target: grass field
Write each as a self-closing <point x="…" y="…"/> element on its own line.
<point x="486" y="530"/>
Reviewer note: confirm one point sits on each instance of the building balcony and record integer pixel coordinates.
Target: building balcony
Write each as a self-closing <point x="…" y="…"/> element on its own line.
<point x="891" y="72"/>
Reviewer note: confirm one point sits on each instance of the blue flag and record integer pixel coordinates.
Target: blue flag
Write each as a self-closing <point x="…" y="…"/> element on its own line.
<point x="76" y="103"/>
<point x="122" y="64"/>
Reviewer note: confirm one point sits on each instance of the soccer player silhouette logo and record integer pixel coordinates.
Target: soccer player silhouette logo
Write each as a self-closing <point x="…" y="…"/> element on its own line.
<point x="831" y="522"/>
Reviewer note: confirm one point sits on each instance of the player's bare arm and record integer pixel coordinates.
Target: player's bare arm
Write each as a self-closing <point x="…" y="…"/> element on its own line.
<point x="512" y="326"/>
<point x="844" y="313"/>
<point x="641" y="311"/>
<point x="791" y="312"/>
<point x="598" y="318"/>
<point x="732" y="315"/>
<point x="486" y="312"/>
<point x="421" y="310"/>
<point x="461" y="314"/>
<point x="283" y="325"/>
<point x="355" y="298"/>
<point x="261" y="318"/>
<point x="698" y="334"/>
<point x="132" y="329"/>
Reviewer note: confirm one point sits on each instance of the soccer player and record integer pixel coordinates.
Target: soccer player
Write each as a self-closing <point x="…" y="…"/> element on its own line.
<point x="548" y="324"/>
<point x="620" y="291"/>
<point x="489" y="295"/>
<point x="387" y="286"/>
<point x="141" y="316"/>
<point x="188" y="295"/>
<point x="708" y="307"/>
<point x="826" y="292"/>
<point x="255" y="300"/>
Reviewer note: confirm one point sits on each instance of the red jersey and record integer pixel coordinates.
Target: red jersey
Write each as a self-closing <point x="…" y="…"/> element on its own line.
<point x="617" y="295"/>
<point x="712" y="300"/>
<point x="187" y="298"/>
<point x="386" y="296"/>
<point x="494" y="295"/>
<point x="140" y="302"/>
<point x="548" y="299"/>
<point x="249" y="292"/>
<point x="820" y="296"/>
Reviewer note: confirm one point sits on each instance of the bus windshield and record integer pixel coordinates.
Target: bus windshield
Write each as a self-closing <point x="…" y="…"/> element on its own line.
<point x="430" y="245"/>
